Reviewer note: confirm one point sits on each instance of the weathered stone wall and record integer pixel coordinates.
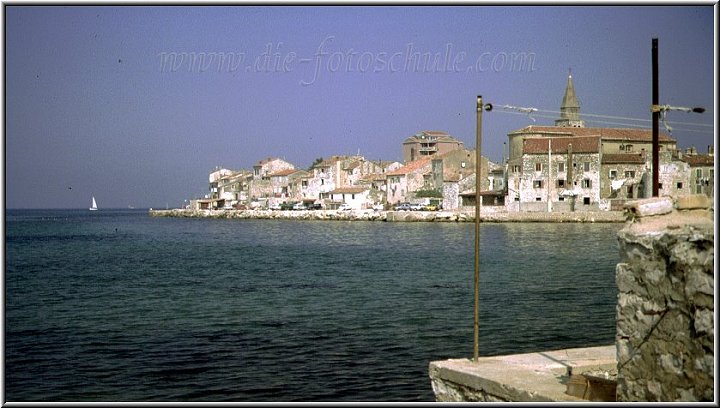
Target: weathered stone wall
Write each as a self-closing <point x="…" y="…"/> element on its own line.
<point x="665" y="342"/>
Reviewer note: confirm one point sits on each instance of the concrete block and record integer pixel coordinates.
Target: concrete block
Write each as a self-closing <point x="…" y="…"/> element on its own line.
<point x="650" y="206"/>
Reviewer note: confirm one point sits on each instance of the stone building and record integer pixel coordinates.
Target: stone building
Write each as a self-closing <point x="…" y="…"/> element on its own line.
<point x="702" y="171"/>
<point x="409" y="178"/>
<point x="261" y="186"/>
<point x="428" y="143"/>
<point x="609" y="165"/>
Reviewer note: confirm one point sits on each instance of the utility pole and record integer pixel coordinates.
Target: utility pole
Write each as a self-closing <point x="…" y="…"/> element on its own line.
<point x="655" y="119"/>
<point x="478" y="178"/>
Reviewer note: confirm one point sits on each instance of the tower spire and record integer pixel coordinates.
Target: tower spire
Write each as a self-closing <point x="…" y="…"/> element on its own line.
<point x="570" y="108"/>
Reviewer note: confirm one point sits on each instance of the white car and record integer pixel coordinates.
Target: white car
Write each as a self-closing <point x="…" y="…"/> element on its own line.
<point x="274" y="206"/>
<point x="299" y="206"/>
<point x="344" y="207"/>
<point x="378" y="207"/>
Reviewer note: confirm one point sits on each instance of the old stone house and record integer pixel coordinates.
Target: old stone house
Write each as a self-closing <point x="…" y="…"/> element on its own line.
<point x="555" y="174"/>
<point x="428" y="143"/>
<point x="702" y="170"/>
<point x="609" y="165"/>
<point x="261" y="186"/>
<point x="407" y="179"/>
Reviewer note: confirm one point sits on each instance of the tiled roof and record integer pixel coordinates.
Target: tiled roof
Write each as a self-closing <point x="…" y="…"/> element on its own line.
<point x="589" y="144"/>
<point x="623" y="158"/>
<point x="411" y="167"/>
<point x="698" y="160"/>
<point x="330" y="161"/>
<point x="285" y="172"/>
<point x="606" y="133"/>
<point x="349" y="190"/>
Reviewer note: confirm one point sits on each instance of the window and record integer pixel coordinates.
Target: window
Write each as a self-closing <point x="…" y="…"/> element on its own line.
<point x="353" y="196"/>
<point x="629" y="173"/>
<point x="586" y="200"/>
<point x="537" y="183"/>
<point x="516" y="168"/>
<point x="698" y="173"/>
<point x="517" y="198"/>
<point x="561" y="167"/>
<point x="538" y="199"/>
<point x="561" y="183"/>
<point x="322" y="182"/>
<point x="538" y="166"/>
<point x="628" y="148"/>
<point x="679" y="184"/>
<point x="586" y="166"/>
<point x="630" y="191"/>
<point x="659" y="186"/>
<point x="613" y="174"/>
<point x="561" y="198"/>
<point x="698" y="189"/>
<point x="586" y="183"/>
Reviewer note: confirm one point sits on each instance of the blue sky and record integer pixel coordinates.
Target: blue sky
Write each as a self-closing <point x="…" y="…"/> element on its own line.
<point x="106" y="100"/>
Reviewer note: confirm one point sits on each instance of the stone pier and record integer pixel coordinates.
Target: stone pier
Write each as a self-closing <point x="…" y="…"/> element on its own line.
<point x="664" y="348"/>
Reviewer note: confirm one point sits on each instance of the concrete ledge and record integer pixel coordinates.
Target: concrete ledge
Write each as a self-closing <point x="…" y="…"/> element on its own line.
<point x="531" y="377"/>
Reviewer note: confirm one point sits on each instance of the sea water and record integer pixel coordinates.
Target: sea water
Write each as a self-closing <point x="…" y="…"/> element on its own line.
<point x="121" y="306"/>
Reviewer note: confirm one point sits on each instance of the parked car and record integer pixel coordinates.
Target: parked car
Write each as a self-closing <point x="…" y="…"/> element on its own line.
<point x="403" y="207"/>
<point x="299" y="206"/>
<point x="275" y="206"/>
<point x="287" y="206"/>
<point x="417" y="207"/>
<point x="431" y="207"/>
<point x="345" y="207"/>
<point x="316" y="206"/>
<point x="378" y="207"/>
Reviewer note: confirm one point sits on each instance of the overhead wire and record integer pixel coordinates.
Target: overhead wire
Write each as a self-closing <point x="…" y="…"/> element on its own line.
<point x="531" y="112"/>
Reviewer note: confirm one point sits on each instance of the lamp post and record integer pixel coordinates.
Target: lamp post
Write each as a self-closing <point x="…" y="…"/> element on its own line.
<point x="478" y="178"/>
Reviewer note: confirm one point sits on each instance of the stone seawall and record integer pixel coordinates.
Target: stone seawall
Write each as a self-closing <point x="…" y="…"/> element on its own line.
<point x="665" y="309"/>
<point x="396" y="216"/>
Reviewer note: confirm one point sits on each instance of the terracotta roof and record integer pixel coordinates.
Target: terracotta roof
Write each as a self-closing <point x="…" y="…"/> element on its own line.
<point x="629" y="134"/>
<point x="411" y="167"/>
<point x="330" y="161"/>
<point x="349" y="190"/>
<point x="699" y="160"/>
<point x="355" y="164"/>
<point x="636" y="158"/>
<point x="589" y="144"/>
<point x="285" y="172"/>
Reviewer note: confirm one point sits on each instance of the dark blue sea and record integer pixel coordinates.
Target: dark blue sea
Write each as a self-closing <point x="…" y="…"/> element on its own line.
<point x="120" y="306"/>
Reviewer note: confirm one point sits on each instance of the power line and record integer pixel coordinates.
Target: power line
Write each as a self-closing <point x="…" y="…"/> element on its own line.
<point x="708" y="131"/>
<point x="532" y="110"/>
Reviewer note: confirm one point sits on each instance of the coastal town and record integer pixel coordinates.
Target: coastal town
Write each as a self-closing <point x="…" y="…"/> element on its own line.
<point x="564" y="168"/>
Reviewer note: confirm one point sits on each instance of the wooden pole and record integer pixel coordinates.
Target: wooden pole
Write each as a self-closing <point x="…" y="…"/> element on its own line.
<point x="655" y="119"/>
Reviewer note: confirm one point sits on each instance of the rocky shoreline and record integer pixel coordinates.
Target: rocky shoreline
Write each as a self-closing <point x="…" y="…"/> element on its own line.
<point x="397" y="216"/>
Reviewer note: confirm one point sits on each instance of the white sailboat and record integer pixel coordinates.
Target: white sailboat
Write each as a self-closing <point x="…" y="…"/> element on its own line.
<point x="94" y="205"/>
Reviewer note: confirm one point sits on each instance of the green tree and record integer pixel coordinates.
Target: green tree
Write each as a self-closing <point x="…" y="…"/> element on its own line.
<point x="317" y="161"/>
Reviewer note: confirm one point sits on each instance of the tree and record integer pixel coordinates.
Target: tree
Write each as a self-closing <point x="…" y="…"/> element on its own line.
<point x="317" y="161"/>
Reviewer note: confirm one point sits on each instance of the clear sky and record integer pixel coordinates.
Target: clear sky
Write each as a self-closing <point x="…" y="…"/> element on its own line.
<point x="136" y="105"/>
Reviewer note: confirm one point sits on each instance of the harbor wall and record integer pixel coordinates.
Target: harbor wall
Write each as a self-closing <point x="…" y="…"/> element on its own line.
<point x="397" y="216"/>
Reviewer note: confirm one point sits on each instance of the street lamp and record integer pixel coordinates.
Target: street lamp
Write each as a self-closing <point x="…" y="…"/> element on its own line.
<point x="478" y="178"/>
